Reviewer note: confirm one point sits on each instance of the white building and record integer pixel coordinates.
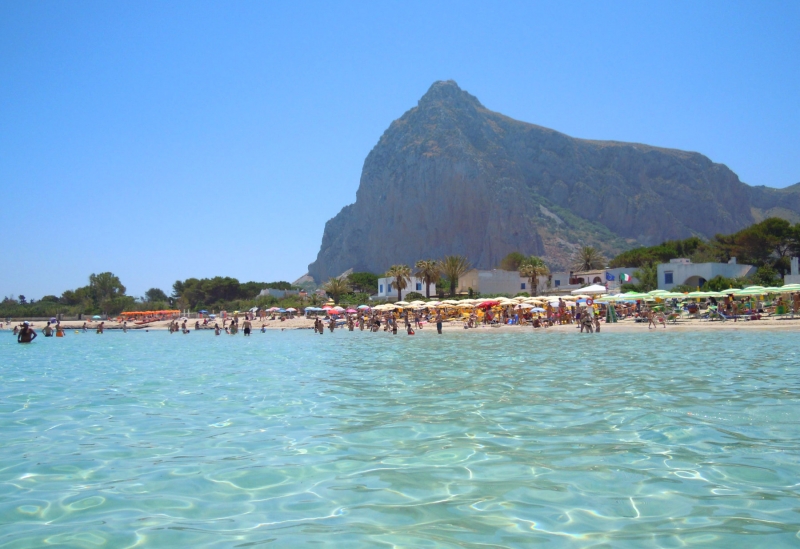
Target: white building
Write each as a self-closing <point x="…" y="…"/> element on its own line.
<point x="387" y="289"/>
<point x="510" y="283"/>
<point x="794" y="277"/>
<point x="277" y="293"/>
<point x="563" y="282"/>
<point x="683" y="271"/>
<point x="496" y="281"/>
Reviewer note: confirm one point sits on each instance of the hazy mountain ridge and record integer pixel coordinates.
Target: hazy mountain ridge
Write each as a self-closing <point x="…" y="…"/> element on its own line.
<point x="452" y="177"/>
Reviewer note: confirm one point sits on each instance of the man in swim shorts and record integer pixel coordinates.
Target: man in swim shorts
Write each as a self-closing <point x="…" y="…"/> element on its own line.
<point x="26" y="334"/>
<point x="246" y="326"/>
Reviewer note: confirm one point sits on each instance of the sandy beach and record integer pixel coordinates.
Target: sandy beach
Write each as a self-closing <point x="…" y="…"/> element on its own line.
<point x="623" y="326"/>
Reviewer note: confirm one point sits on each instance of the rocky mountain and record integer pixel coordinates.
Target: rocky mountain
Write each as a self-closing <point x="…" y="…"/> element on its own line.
<point x="452" y="177"/>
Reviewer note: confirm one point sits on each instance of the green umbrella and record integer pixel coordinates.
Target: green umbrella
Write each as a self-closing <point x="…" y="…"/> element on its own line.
<point x="697" y="294"/>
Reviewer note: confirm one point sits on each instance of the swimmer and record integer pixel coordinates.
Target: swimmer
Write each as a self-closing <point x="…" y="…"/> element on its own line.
<point x="47" y="330"/>
<point x="217" y="331"/>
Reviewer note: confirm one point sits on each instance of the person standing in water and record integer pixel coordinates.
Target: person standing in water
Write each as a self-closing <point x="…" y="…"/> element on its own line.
<point x="59" y="330"/>
<point x="100" y="328"/>
<point x="246" y="325"/>
<point x="439" y="322"/>
<point x="26" y="334"/>
<point x="47" y="330"/>
<point x="124" y="326"/>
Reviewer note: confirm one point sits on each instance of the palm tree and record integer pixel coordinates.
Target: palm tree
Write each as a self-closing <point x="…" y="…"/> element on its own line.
<point x="336" y="288"/>
<point x="402" y="276"/>
<point x="428" y="270"/>
<point x="532" y="268"/>
<point x="452" y="267"/>
<point x="588" y="258"/>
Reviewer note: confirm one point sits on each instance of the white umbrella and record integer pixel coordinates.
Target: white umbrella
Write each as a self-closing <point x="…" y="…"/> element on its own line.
<point x="594" y="289"/>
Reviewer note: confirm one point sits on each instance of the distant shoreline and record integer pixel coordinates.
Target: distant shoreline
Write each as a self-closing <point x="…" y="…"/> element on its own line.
<point x="623" y="326"/>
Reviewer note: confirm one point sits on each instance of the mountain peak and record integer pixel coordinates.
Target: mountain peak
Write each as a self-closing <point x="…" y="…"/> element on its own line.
<point x="448" y="92"/>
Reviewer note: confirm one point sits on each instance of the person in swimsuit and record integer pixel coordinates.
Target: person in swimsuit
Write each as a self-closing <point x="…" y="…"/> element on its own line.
<point x="439" y="322"/>
<point x="47" y="330"/>
<point x="217" y="331"/>
<point x="59" y="330"/>
<point x="100" y="328"/>
<point x="246" y="326"/>
<point x="26" y="334"/>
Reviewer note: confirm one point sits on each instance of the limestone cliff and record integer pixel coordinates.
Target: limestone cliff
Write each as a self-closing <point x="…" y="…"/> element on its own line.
<point x="452" y="177"/>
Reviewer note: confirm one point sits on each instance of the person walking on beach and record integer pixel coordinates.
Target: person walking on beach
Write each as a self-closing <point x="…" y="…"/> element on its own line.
<point x="26" y="334"/>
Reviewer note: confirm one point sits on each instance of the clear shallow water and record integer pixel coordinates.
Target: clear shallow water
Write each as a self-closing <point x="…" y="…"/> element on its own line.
<point x="367" y="440"/>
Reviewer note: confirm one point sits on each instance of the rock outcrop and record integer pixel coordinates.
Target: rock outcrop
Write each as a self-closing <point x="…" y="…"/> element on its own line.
<point x="452" y="177"/>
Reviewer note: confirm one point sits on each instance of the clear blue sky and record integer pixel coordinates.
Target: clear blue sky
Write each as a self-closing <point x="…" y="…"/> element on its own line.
<point x="136" y="136"/>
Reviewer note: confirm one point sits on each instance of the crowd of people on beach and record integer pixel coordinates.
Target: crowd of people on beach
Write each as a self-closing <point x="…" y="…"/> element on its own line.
<point x="586" y="314"/>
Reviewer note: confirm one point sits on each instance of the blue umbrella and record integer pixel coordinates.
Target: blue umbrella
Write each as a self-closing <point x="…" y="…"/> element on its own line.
<point x="281" y="310"/>
<point x="203" y="311"/>
<point x="97" y="317"/>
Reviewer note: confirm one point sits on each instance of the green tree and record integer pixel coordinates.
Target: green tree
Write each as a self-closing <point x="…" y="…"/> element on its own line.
<point x="402" y="276"/>
<point x="588" y="258"/>
<point x="647" y="276"/>
<point x="104" y="288"/>
<point x="453" y="267"/>
<point x="532" y="268"/>
<point x="336" y="288"/>
<point x="512" y="261"/>
<point x="154" y="294"/>
<point x="363" y="282"/>
<point x="428" y="271"/>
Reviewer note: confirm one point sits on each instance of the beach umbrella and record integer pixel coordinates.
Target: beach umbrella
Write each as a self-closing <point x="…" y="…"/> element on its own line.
<point x="97" y="317"/>
<point x="203" y="311"/>
<point x="291" y="310"/>
<point x="351" y="311"/>
<point x="363" y="306"/>
<point x="401" y="303"/>
<point x="697" y="294"/>
<point x="53" y="320"/>
<point x="525" y="306"/>
<point x="594" y="289"/>
<point x="488" y="304"/>
<point x="537" y="310"/>
<point x="326" y="307"/>
<point x="281" y="310"/>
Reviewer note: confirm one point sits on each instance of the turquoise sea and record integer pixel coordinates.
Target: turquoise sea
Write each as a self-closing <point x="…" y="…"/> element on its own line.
<point x="469" y="439"/>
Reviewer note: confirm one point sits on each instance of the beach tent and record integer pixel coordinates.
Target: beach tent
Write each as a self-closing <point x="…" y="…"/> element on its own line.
<point x="594" y="289"/>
